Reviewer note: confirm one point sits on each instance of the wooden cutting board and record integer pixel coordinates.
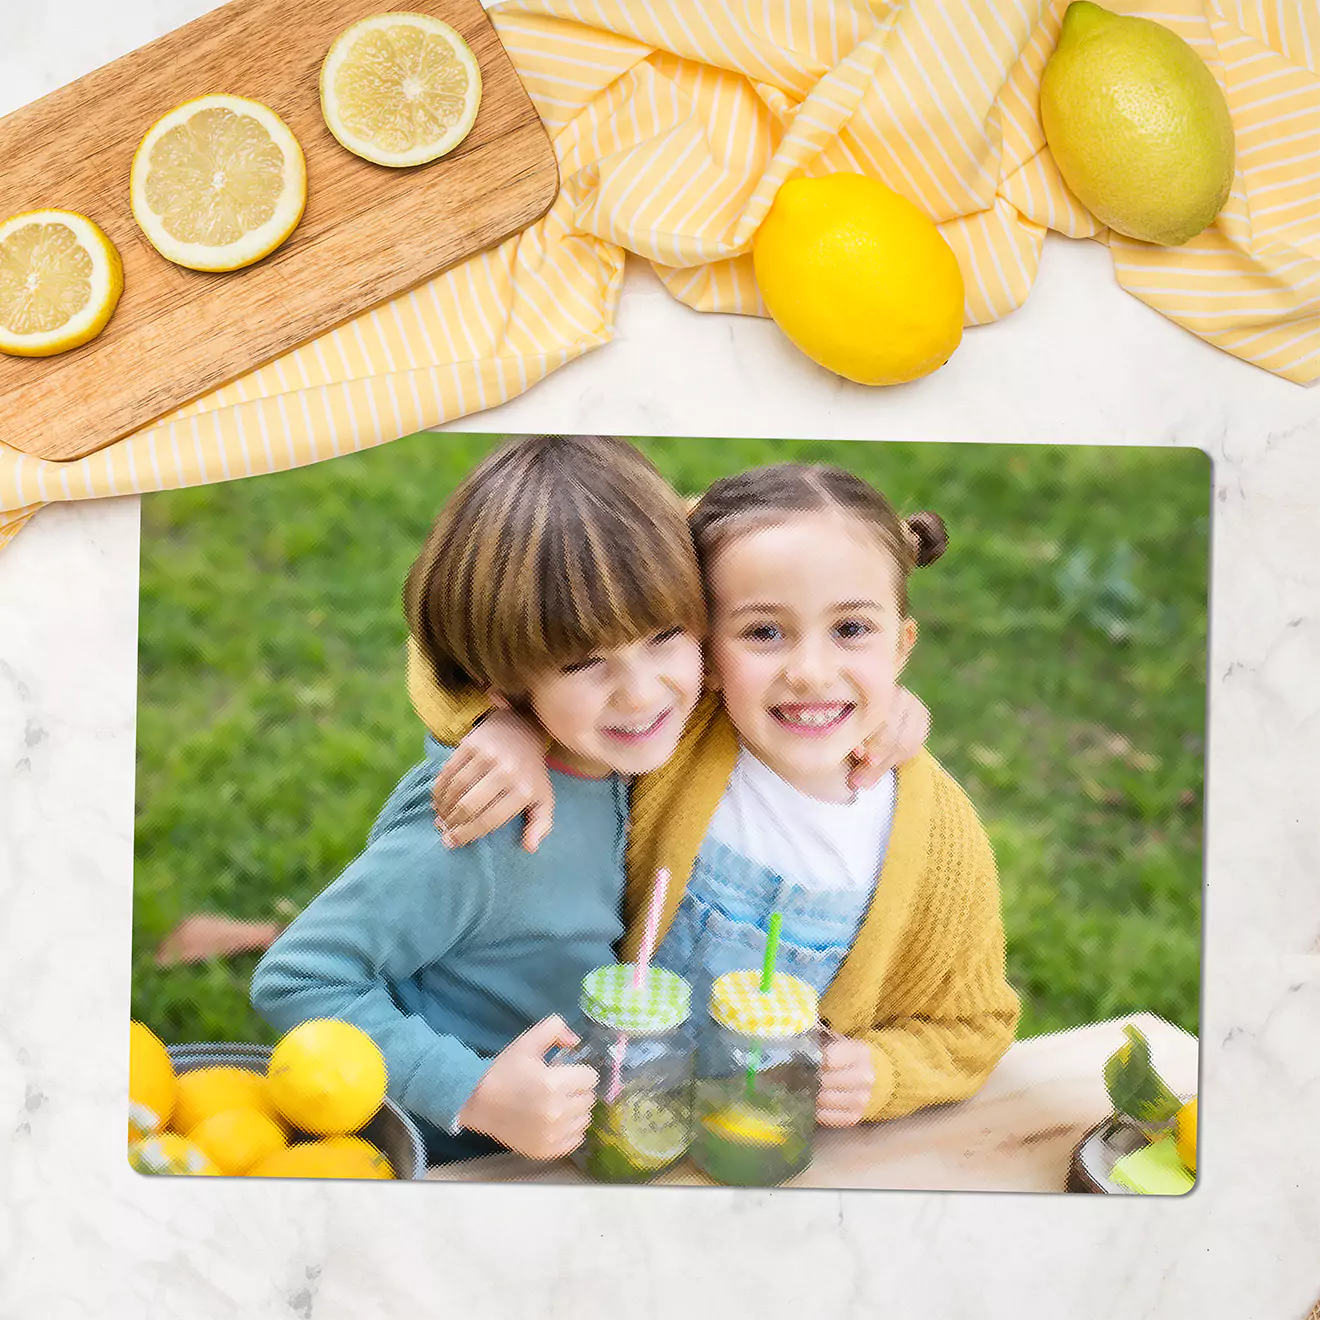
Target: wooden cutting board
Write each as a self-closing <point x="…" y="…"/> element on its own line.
<point x="368" y="233"/>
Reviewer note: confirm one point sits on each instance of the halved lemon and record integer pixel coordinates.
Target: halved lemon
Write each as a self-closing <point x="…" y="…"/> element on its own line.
<point x="218" y="183"/>
<point x="400" y="89"/>
<point x="169" y="1153"/>
<point x="60" y="280"/>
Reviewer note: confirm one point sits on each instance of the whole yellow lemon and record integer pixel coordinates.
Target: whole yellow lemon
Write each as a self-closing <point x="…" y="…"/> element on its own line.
<point x="1185" y="1134"/>
<point x="1137" y="125"/>
<point x="859" y="279"/>
<point x="327" y="1077"/>
<point x="236" y="1139"/>
<point x="152" y="1086"/>
<point x="328" y="1158"/>
<point x="215" y="1090"/>
<point x="169" y="1153"/>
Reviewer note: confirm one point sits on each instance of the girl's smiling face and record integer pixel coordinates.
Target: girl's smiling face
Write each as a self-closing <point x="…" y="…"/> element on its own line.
<point x="807" y="642"/>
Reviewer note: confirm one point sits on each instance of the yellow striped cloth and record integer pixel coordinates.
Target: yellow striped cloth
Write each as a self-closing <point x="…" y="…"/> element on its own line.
<point x="675" y="122"/>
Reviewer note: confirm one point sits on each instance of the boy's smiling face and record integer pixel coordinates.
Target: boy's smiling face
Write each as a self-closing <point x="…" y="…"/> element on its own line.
<point x="621" y="709"/>
<point x="807" y="643"/>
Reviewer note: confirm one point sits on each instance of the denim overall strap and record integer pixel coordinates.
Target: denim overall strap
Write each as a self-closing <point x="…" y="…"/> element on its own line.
<point x="722" y="922"/>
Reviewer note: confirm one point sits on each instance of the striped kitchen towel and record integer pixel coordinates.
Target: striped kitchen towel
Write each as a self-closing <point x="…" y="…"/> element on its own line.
<point x="675" y="122"/>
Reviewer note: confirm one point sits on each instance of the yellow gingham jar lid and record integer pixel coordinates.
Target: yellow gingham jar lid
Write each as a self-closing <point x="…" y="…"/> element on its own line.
<point x="787" y="1008"/>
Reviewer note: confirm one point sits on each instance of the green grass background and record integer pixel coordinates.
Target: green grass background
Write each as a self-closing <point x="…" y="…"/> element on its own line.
<point x="1062" y="653"/>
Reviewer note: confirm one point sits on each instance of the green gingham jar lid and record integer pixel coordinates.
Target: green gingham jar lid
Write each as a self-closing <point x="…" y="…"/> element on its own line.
<point x="608" y="997"/>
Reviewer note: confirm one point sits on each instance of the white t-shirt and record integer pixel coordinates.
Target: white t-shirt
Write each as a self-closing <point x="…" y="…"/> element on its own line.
<point x="819" y="845"/>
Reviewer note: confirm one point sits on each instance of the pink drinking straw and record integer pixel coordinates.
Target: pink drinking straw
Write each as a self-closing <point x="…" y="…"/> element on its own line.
<point x="652" y="930"/>
<point x="640" y="969"/>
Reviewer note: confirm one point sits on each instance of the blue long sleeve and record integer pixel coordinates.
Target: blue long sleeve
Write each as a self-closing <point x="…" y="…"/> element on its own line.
<point x="444" y="956"/>
<point x="392" y="912"/>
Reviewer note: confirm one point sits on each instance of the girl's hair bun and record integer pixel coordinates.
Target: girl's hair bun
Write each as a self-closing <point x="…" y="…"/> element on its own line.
<point x="929" y="537"/>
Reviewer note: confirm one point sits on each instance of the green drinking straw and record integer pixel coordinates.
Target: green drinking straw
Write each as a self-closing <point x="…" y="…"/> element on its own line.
<point x="771" y="949"/>
<point x="767" y="980"/>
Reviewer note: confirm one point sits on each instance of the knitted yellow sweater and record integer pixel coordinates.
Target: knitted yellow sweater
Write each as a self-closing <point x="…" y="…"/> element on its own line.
<point x="924" y="982"/>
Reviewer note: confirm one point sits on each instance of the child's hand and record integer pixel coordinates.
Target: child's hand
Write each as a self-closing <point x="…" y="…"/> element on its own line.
<point x="497" y="771"/>
<point x="899" y="739"/>
<point x="846" y="1077"/>
<point x="540" y="1110"/>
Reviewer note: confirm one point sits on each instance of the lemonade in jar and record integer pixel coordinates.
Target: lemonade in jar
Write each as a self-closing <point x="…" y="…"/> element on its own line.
<point x="758" y="1075"/>
<point x="634" y="1038"/>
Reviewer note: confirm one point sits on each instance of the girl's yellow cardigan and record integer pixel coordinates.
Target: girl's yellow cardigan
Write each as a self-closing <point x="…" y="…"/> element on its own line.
<point x="924" y="983"/>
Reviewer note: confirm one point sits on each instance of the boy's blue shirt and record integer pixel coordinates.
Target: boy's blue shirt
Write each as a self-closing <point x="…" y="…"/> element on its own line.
<point x="444" y="956"/>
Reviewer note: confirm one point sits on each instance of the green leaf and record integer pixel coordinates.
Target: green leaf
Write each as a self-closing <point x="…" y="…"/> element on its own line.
<point x="1134" y="1086"/>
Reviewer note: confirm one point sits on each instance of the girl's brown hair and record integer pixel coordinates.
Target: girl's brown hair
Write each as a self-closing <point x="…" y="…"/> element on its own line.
<point x="750" y="500"/>
<point x="554" y="547"/>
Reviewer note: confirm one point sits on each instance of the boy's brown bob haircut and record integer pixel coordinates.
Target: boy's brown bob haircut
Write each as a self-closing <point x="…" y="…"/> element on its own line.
<point x="554" y="547"/>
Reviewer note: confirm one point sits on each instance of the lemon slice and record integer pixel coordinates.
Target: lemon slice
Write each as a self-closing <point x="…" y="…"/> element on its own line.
<point x="743" y="1124"/>
<point x="400" y="89"/>
<point x="218" y="183"/>
<point x="60" y="280"/>
<point x="647" y="1132"/>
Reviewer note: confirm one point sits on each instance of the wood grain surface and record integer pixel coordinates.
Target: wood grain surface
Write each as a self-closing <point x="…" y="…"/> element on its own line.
<point x="368" y="233"/>
<point x="1017" y="1134"/>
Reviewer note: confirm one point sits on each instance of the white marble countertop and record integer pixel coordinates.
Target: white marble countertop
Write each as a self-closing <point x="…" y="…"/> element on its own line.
<point x="1081" y="362"/>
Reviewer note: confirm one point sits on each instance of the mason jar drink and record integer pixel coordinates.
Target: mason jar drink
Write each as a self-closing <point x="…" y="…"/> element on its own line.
<point x="641" y="1123"/>
<point x="758" y="1076"/>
